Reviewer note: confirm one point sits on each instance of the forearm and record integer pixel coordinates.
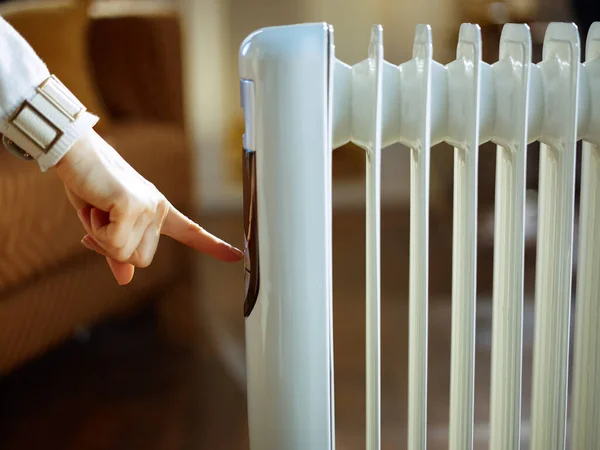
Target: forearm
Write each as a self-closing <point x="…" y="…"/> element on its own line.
<point x="21" y="73"/>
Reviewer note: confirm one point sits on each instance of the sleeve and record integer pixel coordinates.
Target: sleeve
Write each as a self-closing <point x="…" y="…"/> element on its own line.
<point x="21" y="72"/>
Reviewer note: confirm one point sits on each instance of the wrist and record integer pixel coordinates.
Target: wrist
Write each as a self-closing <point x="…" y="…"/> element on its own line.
<point x="84" y="144"/>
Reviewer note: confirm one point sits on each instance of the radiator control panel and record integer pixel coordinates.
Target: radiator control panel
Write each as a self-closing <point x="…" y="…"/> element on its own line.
<point x="251" y="267"/>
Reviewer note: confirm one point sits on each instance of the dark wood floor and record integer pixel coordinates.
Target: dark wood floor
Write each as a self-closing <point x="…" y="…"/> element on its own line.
<point x="123" y="389"/>
<point x="126" y="388"/>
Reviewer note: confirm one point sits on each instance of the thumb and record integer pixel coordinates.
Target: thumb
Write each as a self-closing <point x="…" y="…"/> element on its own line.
<point x="123" y="272"/>
<point x="177" y="226"/>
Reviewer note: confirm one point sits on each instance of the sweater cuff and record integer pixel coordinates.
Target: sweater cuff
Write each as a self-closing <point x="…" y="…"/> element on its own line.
<point x="47" y="124"/>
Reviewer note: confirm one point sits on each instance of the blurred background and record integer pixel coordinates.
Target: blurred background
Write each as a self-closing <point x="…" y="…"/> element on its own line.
<point x="159" y="364"/>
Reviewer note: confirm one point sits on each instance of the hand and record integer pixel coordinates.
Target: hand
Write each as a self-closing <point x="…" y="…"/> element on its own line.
<point x="123" y="214"/>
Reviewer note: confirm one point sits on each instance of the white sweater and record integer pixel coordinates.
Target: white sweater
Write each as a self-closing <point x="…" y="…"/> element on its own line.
<point x="21" y="72"/>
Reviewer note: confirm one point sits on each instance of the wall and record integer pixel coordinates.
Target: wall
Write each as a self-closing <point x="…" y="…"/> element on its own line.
<point x="213" y="31"/>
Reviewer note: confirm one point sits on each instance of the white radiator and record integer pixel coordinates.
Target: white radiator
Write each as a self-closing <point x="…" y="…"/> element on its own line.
<point x="300" y="102"/>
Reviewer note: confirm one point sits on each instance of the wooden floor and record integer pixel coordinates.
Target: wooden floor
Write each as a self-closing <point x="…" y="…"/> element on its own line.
<point x="126" y="388"/>
<point x="123" y="389"/>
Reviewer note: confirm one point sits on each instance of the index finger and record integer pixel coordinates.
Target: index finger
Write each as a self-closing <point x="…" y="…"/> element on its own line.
<point x="179" y="227"/>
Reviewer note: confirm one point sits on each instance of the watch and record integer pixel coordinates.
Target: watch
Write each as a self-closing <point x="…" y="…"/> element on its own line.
<point x="44" y="127"/>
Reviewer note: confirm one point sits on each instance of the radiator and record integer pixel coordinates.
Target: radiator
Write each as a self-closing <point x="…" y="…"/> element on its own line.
<point x="300" y="103"/>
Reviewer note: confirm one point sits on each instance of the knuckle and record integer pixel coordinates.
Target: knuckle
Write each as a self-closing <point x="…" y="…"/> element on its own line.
<point x="151" y="207"/>
<point x="140" y="212"/>
<point x="162" y="208"/>
<point x="115" y="237"/>
<point x="145" y="217"/>
<point x="193" y="227"/>
<point x="131" y="205"/>
<point x="122" y="198"/>
<point x="144" y="260"/>
<point x="121" y="254"/>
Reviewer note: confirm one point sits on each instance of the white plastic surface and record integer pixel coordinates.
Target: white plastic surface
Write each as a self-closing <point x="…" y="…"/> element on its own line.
<point x="560" y="75"/>
<point x="357" y="117"/>
<point x="464" y="90"/>
<point x="511" y="76"/>
<point x="419" y="237"/>
<point x="421" y="103"/>
<point x="586" y="366"/>
<point x="373" y="72"/>
<point x="288" y="333"/>
<point x="404" y="110"/>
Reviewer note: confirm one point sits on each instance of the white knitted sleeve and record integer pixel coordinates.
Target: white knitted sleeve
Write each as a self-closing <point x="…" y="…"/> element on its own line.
<point x="21" y="72"/>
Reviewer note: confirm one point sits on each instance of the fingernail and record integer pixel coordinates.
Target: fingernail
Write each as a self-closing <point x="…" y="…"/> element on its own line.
<point x="86" y="245"/>
<point x="237" y="252"/>
<point x="91" y="244"/>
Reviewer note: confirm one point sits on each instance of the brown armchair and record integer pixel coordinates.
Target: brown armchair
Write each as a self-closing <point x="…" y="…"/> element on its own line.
<point x="126" y="68"/>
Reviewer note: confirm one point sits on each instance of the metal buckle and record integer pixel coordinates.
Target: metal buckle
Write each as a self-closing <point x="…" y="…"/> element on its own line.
<point x="41" y="90"/>
<point x="53" y="95"/>
<point x="40" y="145"/>
<point x="15" y="149"/>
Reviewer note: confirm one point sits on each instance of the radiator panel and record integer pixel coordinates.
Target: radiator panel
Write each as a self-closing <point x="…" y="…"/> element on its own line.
<point x="466" y="103"/>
